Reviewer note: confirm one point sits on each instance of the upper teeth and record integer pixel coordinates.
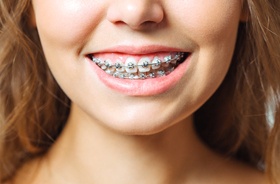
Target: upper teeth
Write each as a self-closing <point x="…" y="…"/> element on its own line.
<point x="144" y="68"/>
<point x="144" y="64"/>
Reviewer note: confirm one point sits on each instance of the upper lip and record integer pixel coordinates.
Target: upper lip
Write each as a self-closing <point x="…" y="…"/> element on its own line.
<point x="139" y="50"/>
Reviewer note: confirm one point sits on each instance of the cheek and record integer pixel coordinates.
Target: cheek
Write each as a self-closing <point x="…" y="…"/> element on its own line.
<point x="213" y="26"/>
<point x="67" y="22"/>
<point x="208" y="21"/>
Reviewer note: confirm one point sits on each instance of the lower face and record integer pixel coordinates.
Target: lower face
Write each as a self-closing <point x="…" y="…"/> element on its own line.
<point x="144" y="69"/>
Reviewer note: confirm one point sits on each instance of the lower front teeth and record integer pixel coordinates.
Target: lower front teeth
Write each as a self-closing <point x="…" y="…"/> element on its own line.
<point x="145" y="68"/>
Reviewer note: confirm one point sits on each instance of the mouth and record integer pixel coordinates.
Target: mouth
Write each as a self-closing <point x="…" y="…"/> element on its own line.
<point x="135" y="67"/>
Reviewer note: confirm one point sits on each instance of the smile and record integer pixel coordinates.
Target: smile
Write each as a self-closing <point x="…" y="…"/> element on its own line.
<point x="144" y="67"/>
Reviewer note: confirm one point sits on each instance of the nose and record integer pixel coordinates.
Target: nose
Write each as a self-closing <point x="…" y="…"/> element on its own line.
<point x="135" y="13"/>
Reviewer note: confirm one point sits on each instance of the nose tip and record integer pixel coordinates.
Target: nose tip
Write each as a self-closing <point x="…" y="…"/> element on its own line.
<point x="135" y="13"/>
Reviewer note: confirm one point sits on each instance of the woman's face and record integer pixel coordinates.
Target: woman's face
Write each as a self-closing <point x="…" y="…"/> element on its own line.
<point x="134" y="39"/>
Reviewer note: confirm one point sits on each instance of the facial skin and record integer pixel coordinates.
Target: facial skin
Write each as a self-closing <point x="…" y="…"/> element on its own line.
<point x="71" y="29"/>
<point x="101" y="142"/>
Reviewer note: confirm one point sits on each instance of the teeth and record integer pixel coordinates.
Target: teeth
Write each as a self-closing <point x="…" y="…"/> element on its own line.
<point x="131" y="76"/>
<point x="144" y="64"/>
<point x="122" y="76"/>
<point x="142" y="76"/>
<point x="97" y="61"/>
<point x="156" y="63"/>
<point x="166" y="62"/>
<point x="143" y="69"/>
<point x="152" y="75"/>
<point x="161" y="73"/>
<point x="176" y="58"/>
<point x="167" y="59"/>
<point x="107" y="65"/>
<point x="110" y="68"/>
<point x="119" y="67"/>
<point x="130" y="65"/>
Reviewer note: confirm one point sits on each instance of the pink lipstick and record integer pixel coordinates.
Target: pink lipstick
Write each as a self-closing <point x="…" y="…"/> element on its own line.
<point x="145" y="74"/>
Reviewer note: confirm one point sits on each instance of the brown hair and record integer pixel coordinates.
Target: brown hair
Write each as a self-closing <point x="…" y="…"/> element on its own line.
<point x="33" y="109"/>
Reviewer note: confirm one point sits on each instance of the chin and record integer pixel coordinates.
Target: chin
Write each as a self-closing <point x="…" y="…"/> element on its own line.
<point x="147" y="125"/>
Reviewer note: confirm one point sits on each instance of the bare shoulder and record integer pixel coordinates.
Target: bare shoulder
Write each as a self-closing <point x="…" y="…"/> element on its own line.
<point x="219" y="169"/>
<point x="28" y="174"/>
<point x="237" y="172"/>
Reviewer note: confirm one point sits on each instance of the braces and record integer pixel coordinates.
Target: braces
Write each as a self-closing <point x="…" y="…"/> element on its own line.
<point x="149" y="75"/>
<point x="159" y="68"/>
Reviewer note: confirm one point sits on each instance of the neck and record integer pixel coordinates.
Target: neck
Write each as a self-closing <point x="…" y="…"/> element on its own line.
<point x="96" y="154"/>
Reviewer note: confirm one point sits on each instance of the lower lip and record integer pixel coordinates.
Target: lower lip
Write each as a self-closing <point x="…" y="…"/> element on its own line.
<point x="146" y="87"/>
